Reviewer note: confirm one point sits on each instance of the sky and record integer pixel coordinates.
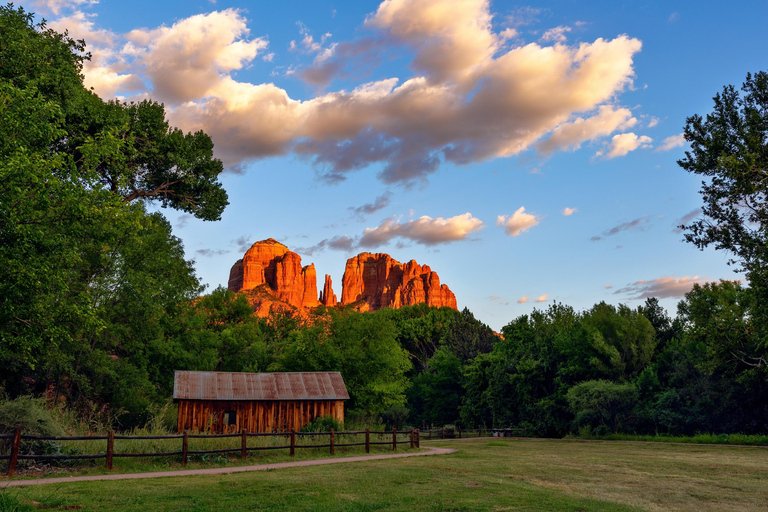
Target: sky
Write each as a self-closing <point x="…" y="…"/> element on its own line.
<point x="526" y="152"/>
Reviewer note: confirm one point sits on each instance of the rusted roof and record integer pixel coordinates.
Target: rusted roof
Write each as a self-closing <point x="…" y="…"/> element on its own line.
<point x="258" y="386"/>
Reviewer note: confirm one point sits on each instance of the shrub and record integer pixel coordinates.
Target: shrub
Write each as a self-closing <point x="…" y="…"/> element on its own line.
<point x="323" y="424"/>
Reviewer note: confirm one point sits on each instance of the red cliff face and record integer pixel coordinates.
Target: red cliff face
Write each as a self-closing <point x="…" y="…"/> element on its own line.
<point x="380" y="281"/>
<point x="273" y="279"/>
<point x="327" y="297"/>
<point x="271" y="263"/>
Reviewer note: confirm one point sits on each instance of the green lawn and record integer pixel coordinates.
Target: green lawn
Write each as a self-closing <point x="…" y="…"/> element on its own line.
<point x="486" y="474"/>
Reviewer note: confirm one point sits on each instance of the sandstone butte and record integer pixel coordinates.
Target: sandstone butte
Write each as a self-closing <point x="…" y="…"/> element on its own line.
<point x="273" y="279"/>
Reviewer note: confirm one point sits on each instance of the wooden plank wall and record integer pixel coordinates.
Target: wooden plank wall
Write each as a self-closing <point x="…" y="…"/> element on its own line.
<point x="255" y="416"/>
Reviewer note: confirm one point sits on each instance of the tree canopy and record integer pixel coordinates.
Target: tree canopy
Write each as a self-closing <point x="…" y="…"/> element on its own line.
<point x="729" y="147"/>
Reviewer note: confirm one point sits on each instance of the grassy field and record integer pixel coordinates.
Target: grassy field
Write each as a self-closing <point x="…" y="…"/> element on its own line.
<point x="486" y="475"/>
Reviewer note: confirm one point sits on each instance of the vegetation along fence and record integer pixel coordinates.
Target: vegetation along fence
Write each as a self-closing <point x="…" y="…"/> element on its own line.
<point x="456" y="432"/>
<point x="335" y="440"/>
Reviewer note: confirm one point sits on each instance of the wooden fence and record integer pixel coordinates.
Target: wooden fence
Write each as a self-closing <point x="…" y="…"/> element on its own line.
<point x="17" y="437"/>
<point x="458" y="433"/>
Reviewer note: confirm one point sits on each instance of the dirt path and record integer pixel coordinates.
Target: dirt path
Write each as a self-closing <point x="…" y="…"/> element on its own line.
<point x="222" y="471"/>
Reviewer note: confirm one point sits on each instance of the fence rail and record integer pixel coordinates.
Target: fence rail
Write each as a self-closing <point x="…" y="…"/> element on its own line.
<point x="450" y="433"/>
<point x="17" y="437"/>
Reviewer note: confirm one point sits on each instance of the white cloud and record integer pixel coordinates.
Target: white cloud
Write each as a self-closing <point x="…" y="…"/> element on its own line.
<point x="674" y="141"/>
<point x="572" y="134"/>
<point x="542" y="298"/>
<point x="623" y="143"/>
<point x="662" y="287"/>
<point x="518" y="222"/>
<point x="523" y="299"/>
<point x="192" y="59"/>
<point x="469" y="99"/>
<point x="424" y="230"/>
<point x="57" y="6"/>
<point x="556" y="35"/>
<point x="569" y="211"/>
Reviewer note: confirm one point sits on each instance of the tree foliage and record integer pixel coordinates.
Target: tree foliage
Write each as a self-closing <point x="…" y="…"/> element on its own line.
<point x="729" y="148"/>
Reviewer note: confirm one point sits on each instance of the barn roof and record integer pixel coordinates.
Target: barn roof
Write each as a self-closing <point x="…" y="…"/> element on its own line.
<point x="258" y="386"/>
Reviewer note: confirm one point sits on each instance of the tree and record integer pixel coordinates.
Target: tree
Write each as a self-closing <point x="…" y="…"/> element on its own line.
<point x="130" y="146"/>
<point x="602" y="401"/>
<point x="730" y="149"/>
<point x="88" y="278"/>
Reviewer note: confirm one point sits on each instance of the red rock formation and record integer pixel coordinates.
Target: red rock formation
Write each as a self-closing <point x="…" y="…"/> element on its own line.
<point x="379" y="281"/>
<point x="327" y="297"/>
<point x="271" y="263"/>
<point x="273" y="279"/>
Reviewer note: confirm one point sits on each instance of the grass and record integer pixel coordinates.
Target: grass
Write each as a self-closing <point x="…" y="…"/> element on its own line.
<point x="486" y="475"/>
<point x="732" y="439"/>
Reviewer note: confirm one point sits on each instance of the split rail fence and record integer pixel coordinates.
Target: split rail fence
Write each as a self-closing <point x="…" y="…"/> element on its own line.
<point x="17" y="437"/>
<point x="458" y="433"/>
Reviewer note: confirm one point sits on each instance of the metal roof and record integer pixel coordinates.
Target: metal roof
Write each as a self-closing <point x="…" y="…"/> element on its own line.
<point x="258" y="386"/>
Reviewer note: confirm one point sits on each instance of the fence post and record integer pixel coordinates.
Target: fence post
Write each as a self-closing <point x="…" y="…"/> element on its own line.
<point x="394" y="439"/>
<point x="293" y="442"/>
<point x="184" y="447"/>
<point x="367" y="440"/>
<point x="418" y="438"/>
<point x="442" y="433"/>
<point x="333" y="439"/>
<point x="110" y="448"/>
<point x="243" y="444"/>
<point x="412" y="438"/>
<point x="14" y="452"/>
<point x="430" y="434"/>
<point x="459" y="432"/>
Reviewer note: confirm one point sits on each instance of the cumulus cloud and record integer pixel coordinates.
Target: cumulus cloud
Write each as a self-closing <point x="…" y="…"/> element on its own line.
<point x="542" y="298"/>
<point x="523" y="299"/>
<point x="569" y="211"/>
<point x="572" y="134"/>
<point x="674" y="141"/>
<point x="107" y="70"/>
<point x="470" y="97"/>
<point x="379" y="203"/>
<point x="623" y="143"/>
<point x="188" y="60"/>
<point x="518" y="222"/>
<point x="424" y="230"/>
<point x="662" y="287"/>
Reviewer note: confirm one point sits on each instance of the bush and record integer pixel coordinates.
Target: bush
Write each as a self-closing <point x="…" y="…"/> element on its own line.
<point x="29" y="414"/>
<point x="323" y="424"/>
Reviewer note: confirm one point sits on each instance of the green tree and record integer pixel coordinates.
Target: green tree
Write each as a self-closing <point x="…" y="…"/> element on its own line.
<point x="435" y="394"/>
<point x="729" y="148"/>
<point x="130" y="146"/>
<point x="604" y="402"/>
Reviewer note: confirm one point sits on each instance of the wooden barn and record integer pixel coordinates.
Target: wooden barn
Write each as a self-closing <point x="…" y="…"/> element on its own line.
<point x="227" y="402"/>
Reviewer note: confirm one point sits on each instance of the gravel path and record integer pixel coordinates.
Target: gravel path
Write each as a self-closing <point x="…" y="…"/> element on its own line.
<point x="223" y="471"/>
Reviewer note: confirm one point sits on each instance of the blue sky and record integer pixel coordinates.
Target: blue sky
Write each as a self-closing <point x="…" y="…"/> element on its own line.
<point x="458" y="134"/>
